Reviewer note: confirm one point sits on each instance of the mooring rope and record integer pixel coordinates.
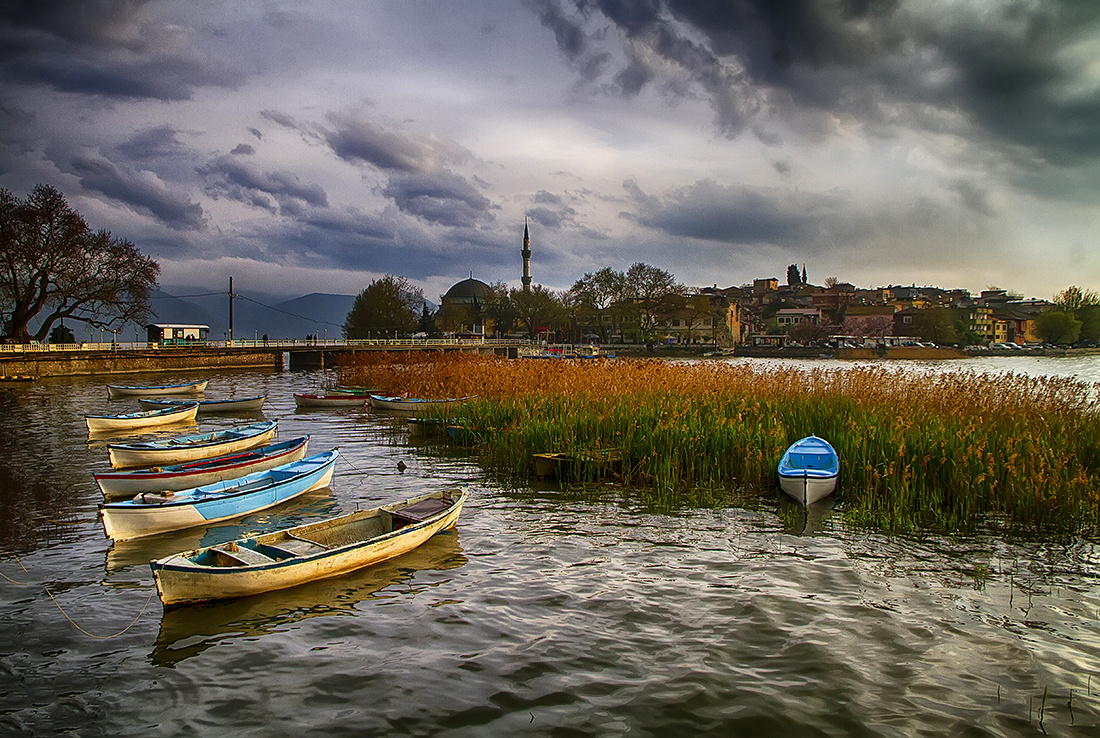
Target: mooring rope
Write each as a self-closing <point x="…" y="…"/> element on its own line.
<point x="353" y="466"/>
<point x="73" y="622"/>
<point x="93" y="635"/>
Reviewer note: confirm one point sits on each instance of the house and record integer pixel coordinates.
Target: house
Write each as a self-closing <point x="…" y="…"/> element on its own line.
<point x="176" y="333"/>
<point x="787" y="317"/>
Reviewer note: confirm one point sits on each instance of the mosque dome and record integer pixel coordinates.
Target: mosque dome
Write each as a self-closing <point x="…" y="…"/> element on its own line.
<point x="468" y="290"/>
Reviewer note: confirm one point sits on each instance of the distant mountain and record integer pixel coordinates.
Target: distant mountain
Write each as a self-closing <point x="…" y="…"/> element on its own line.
<point x="254" y="314"/>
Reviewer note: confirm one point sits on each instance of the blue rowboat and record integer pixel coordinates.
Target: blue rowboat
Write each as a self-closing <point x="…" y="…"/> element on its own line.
<point x="286" y="558"/>
<point x="150" y="513"/>
<point x="142" y="419"/>
<point x="115" y="391"/>
<point x="809" y="470"/>
<point x="190" y="474"/>
<point x="190" y="448"/>
<point x="228" y="405"/>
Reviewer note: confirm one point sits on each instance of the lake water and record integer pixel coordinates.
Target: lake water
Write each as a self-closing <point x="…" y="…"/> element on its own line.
<point x="546" y="612"/>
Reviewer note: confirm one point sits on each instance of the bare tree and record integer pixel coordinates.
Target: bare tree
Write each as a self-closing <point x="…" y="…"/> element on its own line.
<point x="53" y="266"/>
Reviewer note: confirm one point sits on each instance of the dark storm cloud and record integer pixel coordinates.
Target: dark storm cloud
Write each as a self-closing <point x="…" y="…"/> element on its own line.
<point x="357" y="139"/>
<point x="277" y="192"/>
<point x="102" y="47"/>
<point x="735" y="215"/>
<point x="153" y="143"/>
<point x="141" y="190"/>
<point x="1019" y="72"/>
<point x="243" y="149"/>
<point x="444" y="198"/>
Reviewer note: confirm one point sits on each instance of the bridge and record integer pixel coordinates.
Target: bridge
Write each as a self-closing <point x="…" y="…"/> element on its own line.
<point x="47" y="359"/>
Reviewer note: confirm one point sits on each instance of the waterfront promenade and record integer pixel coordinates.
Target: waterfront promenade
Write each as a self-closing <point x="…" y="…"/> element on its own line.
<point x="46" y="359"/>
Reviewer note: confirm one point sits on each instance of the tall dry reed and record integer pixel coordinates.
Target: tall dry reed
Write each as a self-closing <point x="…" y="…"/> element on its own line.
<point x="944" y="450"/>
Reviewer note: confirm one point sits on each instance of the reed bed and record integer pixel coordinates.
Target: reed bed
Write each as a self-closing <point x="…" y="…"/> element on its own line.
<point x="946" y="451"/>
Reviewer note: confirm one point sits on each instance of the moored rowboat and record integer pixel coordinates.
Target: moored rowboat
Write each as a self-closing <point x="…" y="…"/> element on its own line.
<point x="189" y="448"/>
<point x="809" y="470"/>
<point x="192" y="474"/>
<point x="114" y="391"/>
<point x="142" y="419"/>
<point x="150" y="513"/>
<point x="285" y="558"/>
<point x="229" y="405"/>
<point x="413" y="404"/>
<point x="302" y="399"/>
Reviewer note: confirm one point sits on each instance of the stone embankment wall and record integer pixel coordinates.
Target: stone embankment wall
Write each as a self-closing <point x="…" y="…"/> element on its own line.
<point x="69" y="363"/>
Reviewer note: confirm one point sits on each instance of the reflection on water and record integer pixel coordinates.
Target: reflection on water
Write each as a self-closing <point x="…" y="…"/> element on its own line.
<point x="189" y="631"/>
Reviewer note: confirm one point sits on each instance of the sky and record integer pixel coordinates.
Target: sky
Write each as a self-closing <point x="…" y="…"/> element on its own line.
<point x="316" y="146"/>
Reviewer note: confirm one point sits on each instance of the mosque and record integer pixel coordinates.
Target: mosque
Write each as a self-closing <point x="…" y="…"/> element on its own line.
<point x="467" y="297"/>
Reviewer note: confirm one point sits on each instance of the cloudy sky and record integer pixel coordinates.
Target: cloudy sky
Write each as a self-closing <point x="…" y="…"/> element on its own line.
<point x="313" y="146"/>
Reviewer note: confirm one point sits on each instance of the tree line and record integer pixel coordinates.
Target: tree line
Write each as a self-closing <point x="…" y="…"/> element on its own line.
<point x="632" y="305"/>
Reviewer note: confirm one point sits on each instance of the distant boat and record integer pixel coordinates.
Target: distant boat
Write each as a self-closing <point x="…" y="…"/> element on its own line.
<point x="229" y="405"/>
<point x="150" y="513"/>
<point x="302" y="399"/>
<point x="286" y="558"/>
<point x="191" y="474"/>
<point x="115" y="391"/>
<point x="809" y="470"/>
<point x="412" y="404"/>
<point x="189" y="448"/>
<point x="142" y="419"/>
<point x="421" y="427"/>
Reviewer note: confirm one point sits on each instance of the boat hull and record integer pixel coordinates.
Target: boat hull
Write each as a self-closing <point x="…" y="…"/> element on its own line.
<point x="408" y="404"/>
<point x="178" y="477"/>
<point x="305" y="400"/>
<point x="807" y="489"/>
<point x="151" y="513"/>
<point x="180" y="581"/>
<point x="124" y="456"/>
<point x="148" y="419"/>
<point x="243" y="405"/>
<point x="115" y="391"/>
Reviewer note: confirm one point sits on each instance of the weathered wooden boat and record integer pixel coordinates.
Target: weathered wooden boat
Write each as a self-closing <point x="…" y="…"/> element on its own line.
<point x="303" y="399"/>
<point x="189" y="448"/>
<point x="114" y="391"/>
<point x="142" y="418"/>
<point x="587" y="464"/>
<point x="413" y="404"/>
<point x="462" y="434"/>
<point x="192" y="474"/>
<point x="286" y="558"/>
<point x="150" y="513"/>
<point x="809" y="470"/>
<point x="227" y="405"/>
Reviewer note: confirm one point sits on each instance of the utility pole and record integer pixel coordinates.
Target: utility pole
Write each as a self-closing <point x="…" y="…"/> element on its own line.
<point x="231" y="311"/>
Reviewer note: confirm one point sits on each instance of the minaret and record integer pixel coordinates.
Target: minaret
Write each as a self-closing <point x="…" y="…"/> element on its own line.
<point x="526" y="253"/>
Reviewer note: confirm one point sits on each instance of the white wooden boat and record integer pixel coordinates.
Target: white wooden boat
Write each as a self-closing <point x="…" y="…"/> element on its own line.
<point x="285" y="558"/>
<point x="809" y="470"/>
<point x="343" y="389"/>
<point x="227" y="405"/>
<point x="150" y="513"/>
<point x="189" y="448"/>
<point x="413" y="404"/>
<point x="192" y="474"/>
<point x="142" y="419"/>
<point x="114" y="391"/>
<point x="302" y="399"/>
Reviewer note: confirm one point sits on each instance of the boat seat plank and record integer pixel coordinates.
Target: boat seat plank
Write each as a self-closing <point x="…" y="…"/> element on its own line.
<point x="422" y="510"/>
<point x="298" y="545"/>
<point x="246" y="556"/>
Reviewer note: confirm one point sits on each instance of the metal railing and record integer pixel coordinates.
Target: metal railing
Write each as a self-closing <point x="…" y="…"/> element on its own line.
<point x="250" y="343"/>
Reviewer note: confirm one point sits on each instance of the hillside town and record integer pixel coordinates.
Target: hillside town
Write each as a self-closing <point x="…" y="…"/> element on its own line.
<point x="647" y="305"/>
